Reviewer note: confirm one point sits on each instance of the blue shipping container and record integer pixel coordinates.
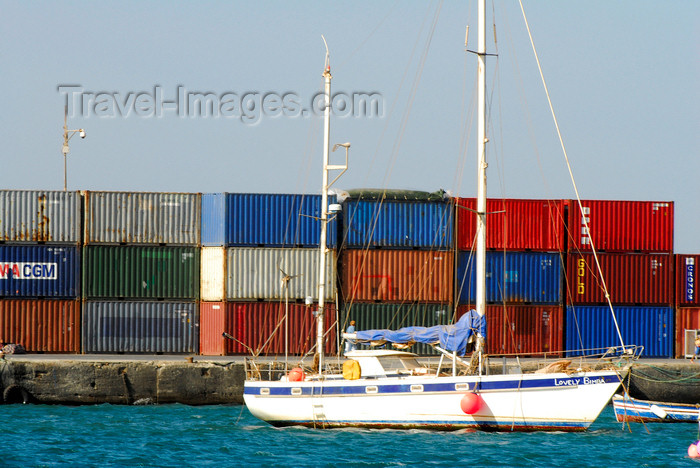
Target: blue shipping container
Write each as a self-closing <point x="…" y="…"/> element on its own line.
<point x="592" y="327"/>
<point x="140" y="327"/>
<point x="39" y="271"/>
<point x="264" y="220"/>
<point x="213" y="219"/>
<point x="397" y="224"/>
<point x="527" y="277"/>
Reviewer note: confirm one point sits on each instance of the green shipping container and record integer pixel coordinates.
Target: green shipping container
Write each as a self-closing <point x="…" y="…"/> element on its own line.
<point x="394" y="316"/>
<point x="138" y="272"/>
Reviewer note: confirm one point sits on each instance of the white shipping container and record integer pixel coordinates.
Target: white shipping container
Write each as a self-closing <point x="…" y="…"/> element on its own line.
<point x="257" y="273"/>
<point x="213" y="274"/>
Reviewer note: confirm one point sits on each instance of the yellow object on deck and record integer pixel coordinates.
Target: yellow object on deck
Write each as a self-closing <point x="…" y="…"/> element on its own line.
<point x="351" y="370"/>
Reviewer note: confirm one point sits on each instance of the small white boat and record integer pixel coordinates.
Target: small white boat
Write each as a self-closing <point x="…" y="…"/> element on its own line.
<point x="390" y="389"/>
<point x="628" y="409"/>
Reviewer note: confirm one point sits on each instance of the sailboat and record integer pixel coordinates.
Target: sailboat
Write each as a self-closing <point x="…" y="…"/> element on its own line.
<point x="386" y="388"/>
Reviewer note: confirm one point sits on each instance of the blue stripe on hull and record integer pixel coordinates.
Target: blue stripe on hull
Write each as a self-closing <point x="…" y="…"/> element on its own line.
<point x="360" y="389"/>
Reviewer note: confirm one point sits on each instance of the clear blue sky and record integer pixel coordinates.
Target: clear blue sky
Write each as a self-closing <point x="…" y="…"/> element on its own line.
<point x="623" y="77"/>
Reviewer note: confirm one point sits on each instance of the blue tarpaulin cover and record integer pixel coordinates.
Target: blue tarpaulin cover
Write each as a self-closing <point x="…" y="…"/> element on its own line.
<point x="451" y="337"/>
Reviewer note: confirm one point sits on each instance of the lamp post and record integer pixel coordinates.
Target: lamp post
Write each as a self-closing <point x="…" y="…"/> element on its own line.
<point x="67" y="135"/>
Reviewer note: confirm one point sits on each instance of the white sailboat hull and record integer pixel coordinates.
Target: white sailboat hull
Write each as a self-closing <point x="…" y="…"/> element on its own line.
<point x="567" y="402"/>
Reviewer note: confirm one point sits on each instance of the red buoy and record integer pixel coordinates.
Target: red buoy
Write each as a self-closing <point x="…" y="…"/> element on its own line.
<point x="296" y="375"/>
<point x="471" y="403"/>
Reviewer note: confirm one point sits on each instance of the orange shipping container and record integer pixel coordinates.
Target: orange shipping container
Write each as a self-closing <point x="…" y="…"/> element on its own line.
<point x="397" y="276"/>
<point x="259" y="326"/>
<point x="686" y="319"/>
<point x="46" y="325"/>
<point x="523" y="329"/>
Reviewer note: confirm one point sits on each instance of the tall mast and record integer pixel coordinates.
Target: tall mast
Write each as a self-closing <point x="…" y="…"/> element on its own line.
<point x="481" y="182"/>
<point x="324" y="210"/>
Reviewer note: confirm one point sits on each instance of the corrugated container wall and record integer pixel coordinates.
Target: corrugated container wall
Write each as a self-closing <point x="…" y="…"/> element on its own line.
<point x="397" y="224"/>
<point x="397" y="276"/>
<point x="621" y="226"/>
<point x="212" y="323"/>
<point x="256" y="273"/>
<point x="523" y="277"/>
<point x="140" y="327"/>
<point x="686" y="280"/>
<point x="139" y="272"/>
<point x="592" y="327"/>
<point x="687" y="318"/>
<point x="213" y="233"/>
<point x="47" y="326"/>
<point x="514" y="224"/>
<point x="274" y="220"/>
<point x="260" y="327"/>
<point x="633" y="279"/>
<point x="523" y="329"/>
<point x="395" y="316"/>
<point x="40" y="216"/>
<point x="142" y="218"/>
<point x="39" y="271"/>
<point x="213" y="276"/>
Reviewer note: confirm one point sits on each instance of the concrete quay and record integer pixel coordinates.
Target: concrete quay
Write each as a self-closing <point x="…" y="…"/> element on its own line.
<point x="121" y="379"/>
<point x="207" y="380"/>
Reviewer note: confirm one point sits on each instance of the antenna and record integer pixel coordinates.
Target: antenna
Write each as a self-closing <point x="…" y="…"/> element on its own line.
<point x="327" y="66"/>
<point x="466" y="38"/>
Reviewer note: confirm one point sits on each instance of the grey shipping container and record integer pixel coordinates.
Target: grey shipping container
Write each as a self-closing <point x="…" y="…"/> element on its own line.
<point x="256" y="273"/>
<point x="140" y="327"/>
<point x="40" y="216"/>
<point x="142" y="218"/>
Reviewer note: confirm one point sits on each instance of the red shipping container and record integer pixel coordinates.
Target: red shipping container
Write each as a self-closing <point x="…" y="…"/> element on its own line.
<point x="523" y="329"/>
<point x="41" y="325"/>
<point x="621" y="226"/>
<point x="686" y="280"/>
<point x="686" y="319"/>
<point x="397" y="276"/>
<point x="259" y="326"/>
<point x="631" y="279"/>
<point x="212" y="323"/>
<point x="514" y="224"/>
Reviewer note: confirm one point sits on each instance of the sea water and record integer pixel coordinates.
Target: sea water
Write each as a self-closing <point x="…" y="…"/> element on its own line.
<point x="179" y="435"/>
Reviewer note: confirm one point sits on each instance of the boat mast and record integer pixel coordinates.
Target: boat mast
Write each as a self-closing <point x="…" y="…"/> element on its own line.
<point x="481" y="173"/>
<point x="324" y="210"/>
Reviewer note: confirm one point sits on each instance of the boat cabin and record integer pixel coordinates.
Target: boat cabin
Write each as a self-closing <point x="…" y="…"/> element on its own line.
<point x="385" y="362"/>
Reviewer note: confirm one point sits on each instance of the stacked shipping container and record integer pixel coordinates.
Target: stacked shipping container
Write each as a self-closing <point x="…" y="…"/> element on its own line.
<point x="142" y="261"/>
<point x="524" y="268"/>
<point x="634" y="241"/>
<point x="397" y="261"/>
<point x="687" y="305"/>
<point x="40" y="234"/>
<point x="250" y="243"/>
<point x="141" y="272"/>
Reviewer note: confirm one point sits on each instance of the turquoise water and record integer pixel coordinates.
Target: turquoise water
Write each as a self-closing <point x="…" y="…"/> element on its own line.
<point x="178" y="435"/>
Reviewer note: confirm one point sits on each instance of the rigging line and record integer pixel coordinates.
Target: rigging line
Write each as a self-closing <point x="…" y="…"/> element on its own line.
<point x="376" y="28"/>
<point x="571" y="175"/>
<point x="404" y="120"/>
<point x="396" y="100"/>
<point x="412" y="95"/>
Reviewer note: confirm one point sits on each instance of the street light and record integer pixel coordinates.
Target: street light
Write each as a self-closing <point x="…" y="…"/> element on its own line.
<point x="67" y="135"/>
